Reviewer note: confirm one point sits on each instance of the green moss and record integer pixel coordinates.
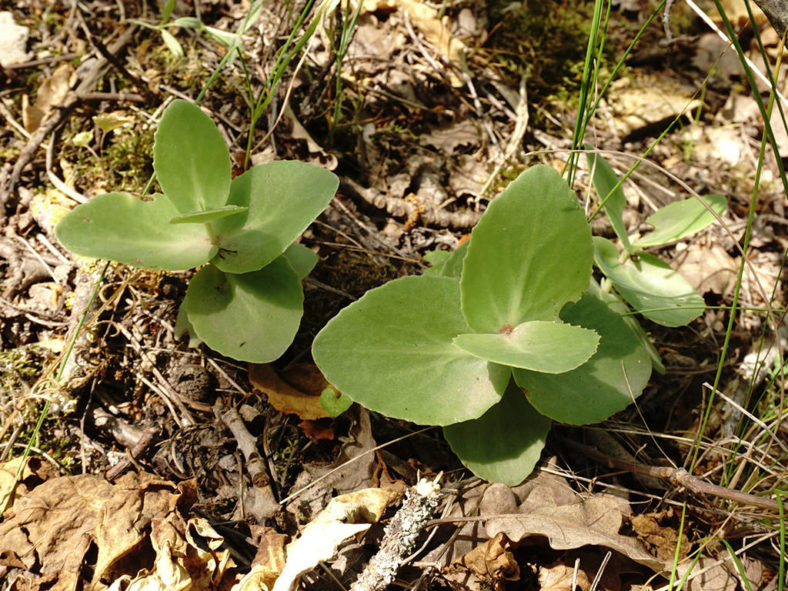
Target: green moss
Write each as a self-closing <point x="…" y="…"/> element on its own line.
<point x="20" y="367"/>
<point x="546" y="40"/>
<point x="128" y="153"/>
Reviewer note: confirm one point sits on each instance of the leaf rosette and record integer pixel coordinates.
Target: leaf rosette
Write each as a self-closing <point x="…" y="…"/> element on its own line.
<point x="247" y="302"/>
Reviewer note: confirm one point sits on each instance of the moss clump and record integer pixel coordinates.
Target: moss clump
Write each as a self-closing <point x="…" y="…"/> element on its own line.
<point x="546" y="40"/>
<point x="128" y="157"/>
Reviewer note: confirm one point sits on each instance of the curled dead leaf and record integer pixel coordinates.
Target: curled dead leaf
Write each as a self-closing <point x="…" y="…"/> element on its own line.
<point x="52" y="528"/>
<point x="51" y="93"/>
<point x="296" y="391"/>
<point x="493" y="560"/>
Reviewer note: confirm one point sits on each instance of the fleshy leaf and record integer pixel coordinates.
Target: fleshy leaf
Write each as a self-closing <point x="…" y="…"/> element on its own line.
<point x="191" y="160"/>
<point x="392" y="352"/>
<point x="504" y="444"/>
<point x="539" y="345"/>
<point x="283" y="198"/>
<point x="184" y="327"/>
<point x="172" y="43"/>
<point x="529" y="254"/>
<point x="605" y="179"/>
<point x="447" y="264"/>
<point x="650" y="286"/>
<point x="203" y="217"/>
<point x="604" y="385"/>
<point x="124" y="228"/>
<point x="334" y="403"/>
<point x="251" y="317"/>
<point x="437" y="259"/>
<point x="302" y="259"/>
<point x="615" y="304"/>
<point x="681" y="219"/>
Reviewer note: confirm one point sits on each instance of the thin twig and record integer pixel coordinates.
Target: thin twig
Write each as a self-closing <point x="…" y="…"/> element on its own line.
<point x="132" y="454"/>
<point x="676" y="476"/>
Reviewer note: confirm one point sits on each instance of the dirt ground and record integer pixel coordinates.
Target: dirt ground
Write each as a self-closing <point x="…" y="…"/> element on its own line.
<point x="148" y="458"/>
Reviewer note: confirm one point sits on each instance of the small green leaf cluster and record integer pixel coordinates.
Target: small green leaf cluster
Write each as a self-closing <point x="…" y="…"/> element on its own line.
<point x="247" y="302"/>
<point x="228" y="40"/>
<point x="509" y="332"/>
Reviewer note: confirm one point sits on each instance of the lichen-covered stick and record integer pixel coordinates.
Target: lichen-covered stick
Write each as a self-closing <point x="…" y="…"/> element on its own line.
<point x="399" y="538"/>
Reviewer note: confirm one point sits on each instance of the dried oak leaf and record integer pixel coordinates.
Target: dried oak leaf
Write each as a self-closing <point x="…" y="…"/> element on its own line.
<point x="51" y="529"/>
<point x="493" y="560"/>
<point x="559" y="577"/>
<point x="188" y="556"/>
<point x="660" y="539"/>
<point x="548" y="507"/>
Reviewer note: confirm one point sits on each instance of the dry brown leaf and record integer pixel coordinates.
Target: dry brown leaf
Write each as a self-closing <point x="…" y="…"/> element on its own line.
<point x="559" y="576"/>
<point x="549" y="507"/>
<point x="351" y="471"/>
<point x="53" y="527"/>
<point x="492" y="560"/>
<point x="9" y="486"/>
<point x="661" y="540"/>
<point x="268" y="562"/>
<point x="427" y="21"/>
<point x="50" y="94"/>
<point x="188" y="556"/>
<point x="447" y="139"/>
<point x="708" y="267"/>
<point x="286" y="397"/>
<point x="638" y="103"/>
<point x="317" y="430"/>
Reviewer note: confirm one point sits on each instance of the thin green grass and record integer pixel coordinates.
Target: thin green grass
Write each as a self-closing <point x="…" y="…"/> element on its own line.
<point x="769" y="412"/>
<point x="348" y="29"/>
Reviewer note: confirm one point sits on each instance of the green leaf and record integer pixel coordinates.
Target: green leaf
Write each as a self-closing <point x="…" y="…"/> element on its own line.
<point x="615" y="304"/>
<point x="604" y="385"/>
<point x="605" y="180"/>
<point x="302" y="259"/>
<point x="392" y="352"/>
<point x="539" y="345"/>
<point x="453" y="265"/>
<point x="188" y="22"/>
<point x="124" y="228"/>
<point x="529" y="254"/>
<point x="447" y="264"/>
<point x="167" y="9"/>
<point x="184" y="326"/>
<point x="650" y="286"/>
<point x="283" y="198"/>
<point x="334" y="402"/>
<point x="203" y="217"/>
<point x="681" y="219"/>
<point x="172" y="43"/>
<point x="504" y="444"/>
<point x="437" y="259"/>
<point x="221" y="37"/>
<point x="251" y="317"/>
<point x="191" y="161"/>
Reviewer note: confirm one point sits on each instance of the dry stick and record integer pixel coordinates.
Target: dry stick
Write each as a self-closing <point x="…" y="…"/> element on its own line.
<point x="131" y="455"/>
<point x="247" y="443"/>
<point x="399" y="538"/>
<point x="678" y="477"/>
